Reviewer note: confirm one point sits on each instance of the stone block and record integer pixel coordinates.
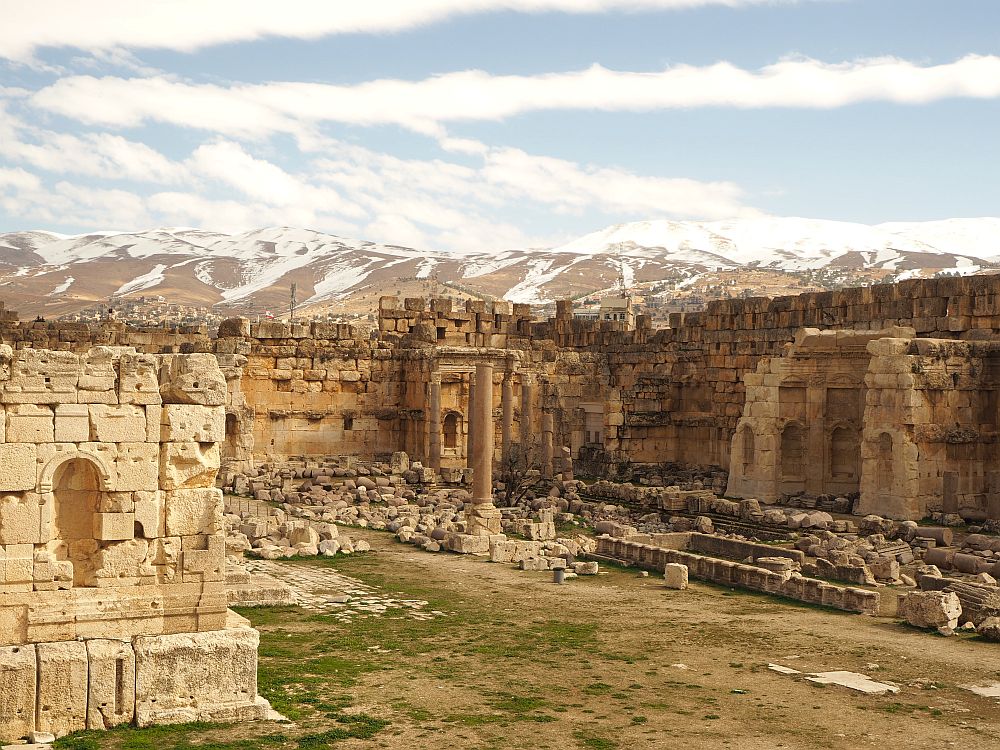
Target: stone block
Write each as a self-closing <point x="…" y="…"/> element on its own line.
<point x="188" y="465"/>
<point x="137" y="467"/>
<point x="154" y="415"/>
<point x="117" y="424"/>
<point x="121" y="564"/>
<point x="72" y="423"/>
<point x="17" y="466"/>
<point x="930" y="609"/>
<point x="675" y="576"/>
<point x="17" y="691"/>
<point x="62" y="687"/>
<point x="114" y="526"/>
<point x="111" y="684"/>
<point x="20" y="519"/>
<point x="187" y="422"/>
<point x="192" y="379"/>
<point x="137" y="379"/>
<point x="150" y="513"/>
<point x="203" y="558"/>
<point x="197" y="677"/>
<point x="193" y="511"/>
<point x="467" y="544"/>
<point x="30" y="423"/>
<point x="98" y="379"/>
<point x="41" y="376"/>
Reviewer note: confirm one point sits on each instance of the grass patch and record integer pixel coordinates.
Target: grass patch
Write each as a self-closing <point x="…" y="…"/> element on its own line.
<point x="593" y="741"/>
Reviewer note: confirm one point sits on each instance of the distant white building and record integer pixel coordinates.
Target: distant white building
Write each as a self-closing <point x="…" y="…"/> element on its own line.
<point x="611" y="309"/>
<point x="618" y="309"/>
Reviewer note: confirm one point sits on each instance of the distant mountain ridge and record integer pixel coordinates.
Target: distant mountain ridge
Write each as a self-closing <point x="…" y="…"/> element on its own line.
<point x="211" y="268"/>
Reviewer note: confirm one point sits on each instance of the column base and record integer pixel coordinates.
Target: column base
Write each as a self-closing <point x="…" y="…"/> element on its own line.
<point x="482" y="519"/>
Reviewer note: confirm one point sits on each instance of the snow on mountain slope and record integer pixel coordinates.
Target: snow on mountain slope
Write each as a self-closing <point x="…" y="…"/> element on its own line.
<point x="214" y="268"/>
<point x="782" y="243"/>
<point x="976" y="238"/>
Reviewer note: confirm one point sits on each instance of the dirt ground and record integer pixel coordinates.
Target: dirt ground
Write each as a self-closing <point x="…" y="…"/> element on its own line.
<point x="605" y="662"/>
<point x="646" y="667"/>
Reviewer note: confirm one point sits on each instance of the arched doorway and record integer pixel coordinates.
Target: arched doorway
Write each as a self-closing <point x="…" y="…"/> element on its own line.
<point x="76" y="490"/>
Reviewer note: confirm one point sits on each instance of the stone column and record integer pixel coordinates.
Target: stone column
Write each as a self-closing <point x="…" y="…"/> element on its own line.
<point x="526" y="430"/>
<point x="507" y="404"/>
<point x="470" y="423"/>
<point x="482" y="455"/>
<point x="481" y="516"/>
<point x="434" y="459"/>
<point x="548" y="427"/>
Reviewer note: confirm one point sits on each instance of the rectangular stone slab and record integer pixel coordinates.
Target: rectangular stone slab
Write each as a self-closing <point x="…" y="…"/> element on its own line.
<point x="17" y="692"/>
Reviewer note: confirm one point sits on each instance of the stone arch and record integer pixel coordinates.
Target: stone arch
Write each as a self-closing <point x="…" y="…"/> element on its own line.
<point x="793" y="452"/>
<point x="845" y="452"/>
<point x="105" y="471"/>
<point x="452" y="428"/>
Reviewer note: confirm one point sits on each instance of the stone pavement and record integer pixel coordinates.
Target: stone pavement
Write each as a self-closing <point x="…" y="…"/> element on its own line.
<point x="323" y="589"/>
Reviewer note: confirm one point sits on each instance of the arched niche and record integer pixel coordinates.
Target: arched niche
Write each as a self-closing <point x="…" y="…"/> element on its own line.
<point x="845" y="452"/>
<point x="77" y="486"/>
<point x="793" y="438"/>
<point x="451" y="428"/>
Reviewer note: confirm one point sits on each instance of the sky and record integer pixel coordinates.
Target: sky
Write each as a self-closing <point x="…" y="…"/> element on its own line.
<point x="472" y="125"/>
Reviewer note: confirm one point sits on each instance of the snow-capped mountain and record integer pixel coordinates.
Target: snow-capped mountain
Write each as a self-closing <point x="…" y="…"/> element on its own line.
<point x="59" y="273"/>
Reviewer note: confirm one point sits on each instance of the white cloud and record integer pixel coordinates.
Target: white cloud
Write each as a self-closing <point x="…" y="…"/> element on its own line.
<point x="424" y="106"/>
<point x="568" y="186"/>
<point x="18" y="179"/>
<point x="102" y="155"/>
<point x="188" y="25"/>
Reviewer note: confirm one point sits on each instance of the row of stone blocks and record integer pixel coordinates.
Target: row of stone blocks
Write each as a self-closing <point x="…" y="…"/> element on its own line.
<point x="728" y="573"/>
<point x="97" y="684"/>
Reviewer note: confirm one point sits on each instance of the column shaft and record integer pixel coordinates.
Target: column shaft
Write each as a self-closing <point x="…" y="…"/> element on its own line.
<point x="470" y="423"/>
<point x="526" y="430"/>
<point x="507" y="403"/>
<point x="548" y="427"/>
<point x="434" y="460"/>
<point x="482" y="468"/>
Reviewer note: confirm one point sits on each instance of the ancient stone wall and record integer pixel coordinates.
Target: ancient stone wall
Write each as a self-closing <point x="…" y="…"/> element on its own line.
<point x="112" y="552"/>
<point x="621" y="394"/>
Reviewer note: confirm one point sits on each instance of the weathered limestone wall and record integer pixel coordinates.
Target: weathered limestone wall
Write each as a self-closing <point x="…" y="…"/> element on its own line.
<point x="622" y="394"/>
<point x="931" y="434"/>
<point x="112" y="551"/>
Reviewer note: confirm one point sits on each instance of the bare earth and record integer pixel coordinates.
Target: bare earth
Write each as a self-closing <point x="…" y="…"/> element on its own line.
<point x="662" y="668"/>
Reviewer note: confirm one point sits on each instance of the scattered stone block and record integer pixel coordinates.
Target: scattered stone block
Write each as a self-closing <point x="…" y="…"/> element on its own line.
<point x="675" y="576"/>
<point x="930" y="609"/>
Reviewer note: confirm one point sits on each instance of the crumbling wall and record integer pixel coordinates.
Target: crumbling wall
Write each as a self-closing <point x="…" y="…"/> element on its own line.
<point x="112" y="551"/>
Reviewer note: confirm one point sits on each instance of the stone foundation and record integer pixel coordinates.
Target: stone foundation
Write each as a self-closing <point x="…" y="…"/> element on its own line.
<point x="67" y="686"/>
<point x="728" y="573"/>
